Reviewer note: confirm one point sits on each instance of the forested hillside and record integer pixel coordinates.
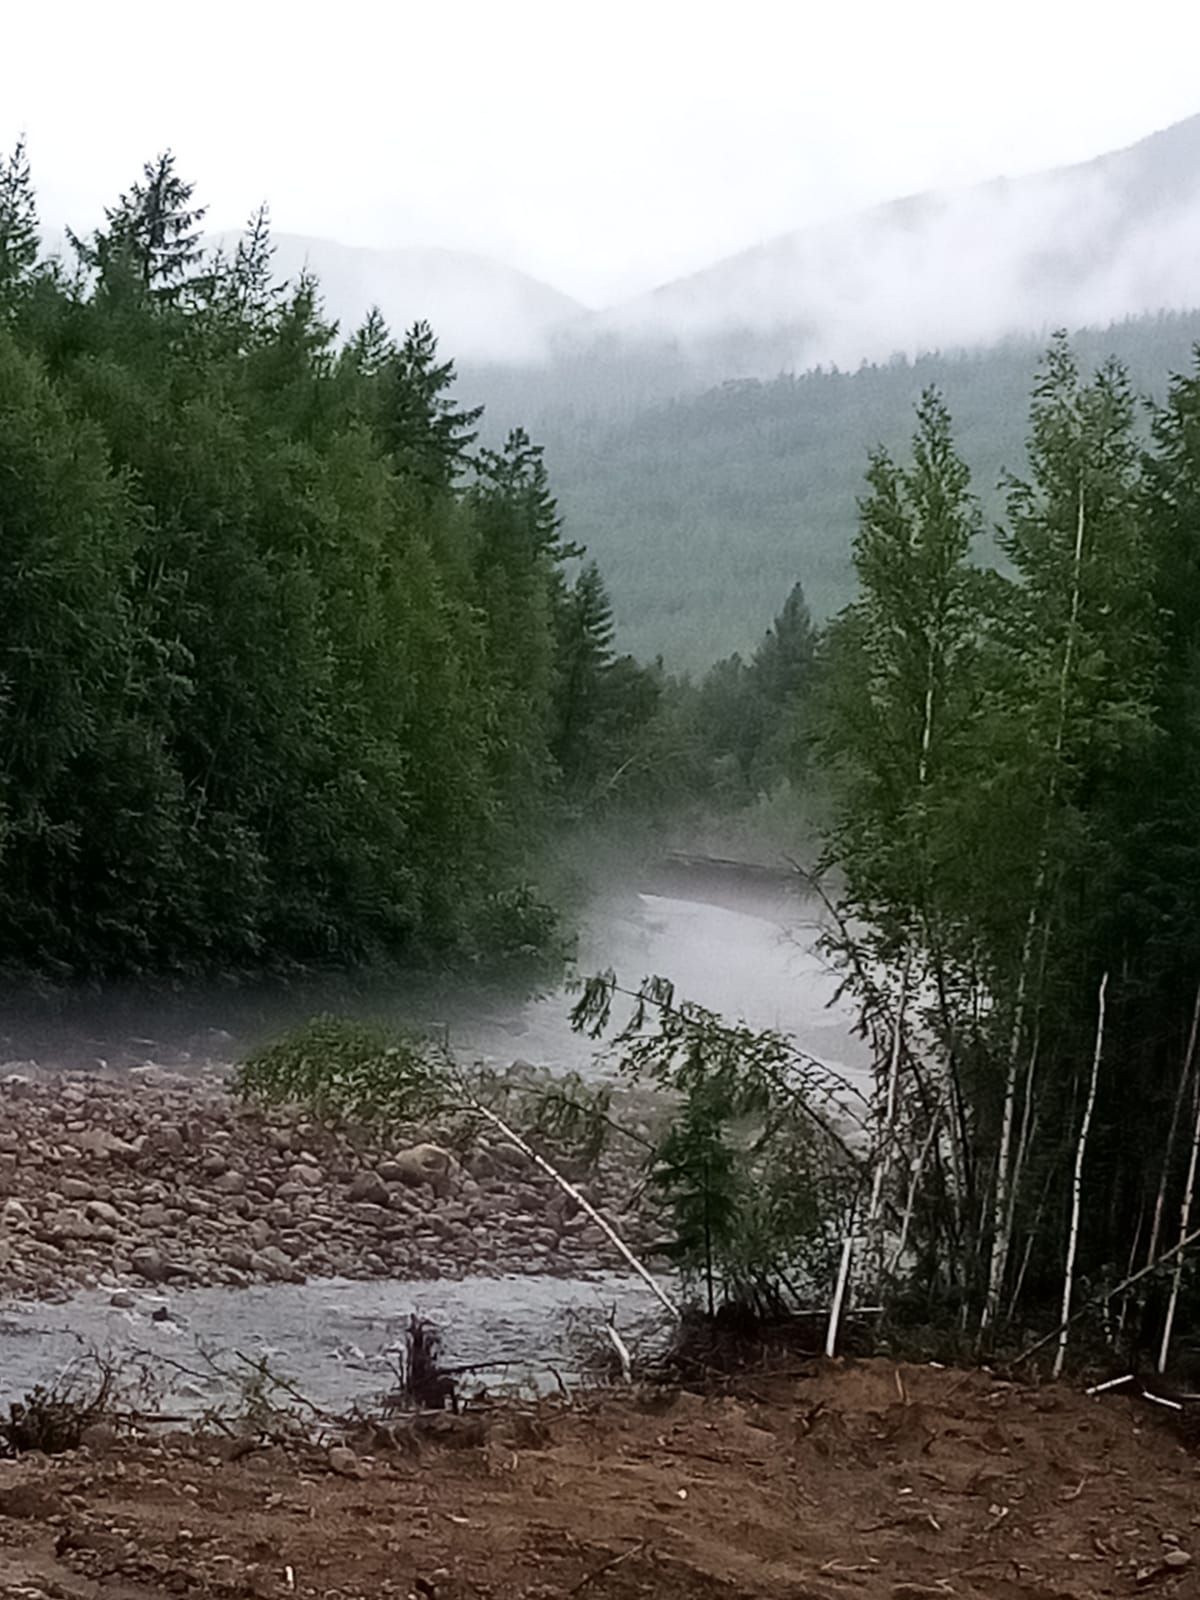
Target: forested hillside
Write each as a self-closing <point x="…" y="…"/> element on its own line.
<point x="289" y="668"/>
<point x="705" y="510"/>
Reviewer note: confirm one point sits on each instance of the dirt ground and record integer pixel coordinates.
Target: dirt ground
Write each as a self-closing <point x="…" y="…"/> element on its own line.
<point x="858" y="1480"/>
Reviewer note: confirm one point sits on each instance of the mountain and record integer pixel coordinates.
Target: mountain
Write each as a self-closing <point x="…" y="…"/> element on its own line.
<point x="1082" y="245"/>
<point x="480" y="309"/>
<point x="706" y="484"/>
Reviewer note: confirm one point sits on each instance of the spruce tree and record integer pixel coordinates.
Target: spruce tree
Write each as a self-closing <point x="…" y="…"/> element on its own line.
<point x="19" y="242"/>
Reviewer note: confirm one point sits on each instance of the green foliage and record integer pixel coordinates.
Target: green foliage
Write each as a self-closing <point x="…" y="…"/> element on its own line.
<point x="698" y="1172"/>
<point x="757" y="1175"/>
<point x="1013" y="756"/>
<point x="347" y="1072"/>
<point x="561" y="1112"/>
<point x="18" y="226"/>
<point x="705" y="501"/>
<point x="152" y="237"/>
<point x="283" y="674"/>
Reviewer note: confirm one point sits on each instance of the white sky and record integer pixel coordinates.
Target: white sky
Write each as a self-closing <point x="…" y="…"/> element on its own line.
<point x="604" y="147"/>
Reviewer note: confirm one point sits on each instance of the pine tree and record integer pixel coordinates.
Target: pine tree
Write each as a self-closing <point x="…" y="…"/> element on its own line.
<point x="153" y="233"/>
<point x="19" y="242"/>
<point x="583" y="665"/>
<point x="428" y="435"/>
<point x="255" y="293"/>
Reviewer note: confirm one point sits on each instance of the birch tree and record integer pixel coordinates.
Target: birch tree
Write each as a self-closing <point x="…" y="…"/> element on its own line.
<point x="900" y="734"/>
<point x="1076" y="697"/>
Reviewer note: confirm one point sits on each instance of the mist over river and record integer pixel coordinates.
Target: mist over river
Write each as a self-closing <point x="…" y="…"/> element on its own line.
<point x="738" y="940"/>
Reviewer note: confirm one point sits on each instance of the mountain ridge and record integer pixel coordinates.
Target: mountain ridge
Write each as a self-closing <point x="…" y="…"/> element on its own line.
<point x="477" y="305"/>
<point x="1082" y="244"/>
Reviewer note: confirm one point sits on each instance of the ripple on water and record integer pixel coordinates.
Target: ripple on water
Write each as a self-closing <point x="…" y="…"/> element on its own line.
<point x="328" y="1337"/>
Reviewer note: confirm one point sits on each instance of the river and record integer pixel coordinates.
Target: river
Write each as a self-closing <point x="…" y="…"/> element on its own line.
<point x="741" y="942"/>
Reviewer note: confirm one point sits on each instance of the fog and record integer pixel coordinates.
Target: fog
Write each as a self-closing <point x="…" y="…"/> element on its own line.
<point x="494" y="170"/>
<point x="1084" y="246"/>
<point x="742" y="941"/>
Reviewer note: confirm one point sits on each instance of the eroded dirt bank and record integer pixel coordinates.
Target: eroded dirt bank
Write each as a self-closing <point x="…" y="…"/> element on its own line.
<point x="870" y="1480"/>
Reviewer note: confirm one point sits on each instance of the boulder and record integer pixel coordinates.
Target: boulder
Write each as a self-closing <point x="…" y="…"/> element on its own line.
<point x="30" y="1502"/>
<point x="368" y="1188"/>
<point x="98" y="1436"/>
<point x="168" y="1140"/>
<point x="273" y="1263"/>
<point x="344" y="1462"/>
<point x="424" y="1164"/>
<point x="149" y="1263"/>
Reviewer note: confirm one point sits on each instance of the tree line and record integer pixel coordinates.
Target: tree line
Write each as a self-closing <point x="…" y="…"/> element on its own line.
<point x="292" y="669"/>
<point x="1014" y="758"/>
<point x="705" y="500"/>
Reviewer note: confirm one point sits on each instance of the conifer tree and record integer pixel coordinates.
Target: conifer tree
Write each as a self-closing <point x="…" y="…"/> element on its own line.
<point x="19" y="242"/>
<point x="152" y="233"/>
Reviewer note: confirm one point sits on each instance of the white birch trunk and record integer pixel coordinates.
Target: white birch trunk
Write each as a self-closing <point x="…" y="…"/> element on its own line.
<point x="1176" y="1112"/>
<point x="1004" y="1201"/>
<point x="839" y="1293"/>
<point x="1077" y="1182"/>
<point x="584" y="1204"/>
<point x="1185" y="1222"/>
<point x="1004" y="1208"/>
<point x="910" y="1202"/>
<point x="885" y="1139"/>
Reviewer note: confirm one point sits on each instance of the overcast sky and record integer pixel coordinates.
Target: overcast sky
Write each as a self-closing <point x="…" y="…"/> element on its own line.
<point x="604" y="147"/>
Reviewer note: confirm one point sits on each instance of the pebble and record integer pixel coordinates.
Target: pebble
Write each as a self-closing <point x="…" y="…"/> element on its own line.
<point x="344" y="1462"/>
<point x="156" y="1178"/>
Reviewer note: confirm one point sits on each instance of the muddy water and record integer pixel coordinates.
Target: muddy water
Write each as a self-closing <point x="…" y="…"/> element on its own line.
<point x="334" y="1340"/>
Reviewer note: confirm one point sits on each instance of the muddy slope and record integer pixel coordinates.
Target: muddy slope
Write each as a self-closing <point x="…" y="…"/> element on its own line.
<point x="871" y="1481"/>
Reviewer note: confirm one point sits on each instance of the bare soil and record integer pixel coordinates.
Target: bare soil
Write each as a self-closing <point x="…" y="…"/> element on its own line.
<point x="859" y="1480"/>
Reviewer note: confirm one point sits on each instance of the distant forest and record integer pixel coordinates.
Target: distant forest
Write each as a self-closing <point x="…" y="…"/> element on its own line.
<point x="705" y="509"/>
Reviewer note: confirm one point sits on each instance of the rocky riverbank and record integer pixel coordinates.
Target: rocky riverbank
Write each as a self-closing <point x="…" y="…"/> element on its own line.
<point x="156" y="1178"/>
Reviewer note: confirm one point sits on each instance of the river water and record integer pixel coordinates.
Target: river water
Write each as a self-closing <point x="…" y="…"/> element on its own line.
<point x="742" y="943"/>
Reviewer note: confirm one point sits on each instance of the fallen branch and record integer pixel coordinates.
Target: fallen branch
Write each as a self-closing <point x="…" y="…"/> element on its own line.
<point x="585" y="1205"/>
<point x="607" y="1566"/>
<point x="1107" y="1294"/>
<point x="622" y="1350"/>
